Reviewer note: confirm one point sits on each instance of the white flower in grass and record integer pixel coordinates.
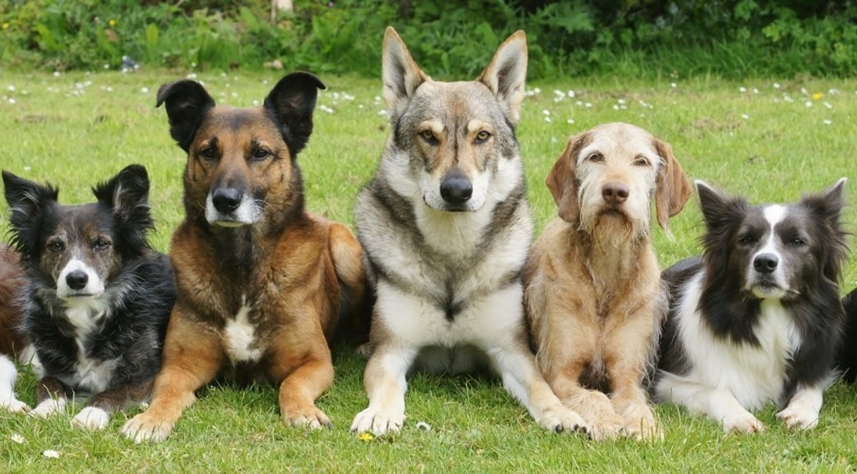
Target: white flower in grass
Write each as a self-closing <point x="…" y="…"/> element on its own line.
<point x="673" y="85"/>
<point x="547" y="119"/>
<point x="621" y="101"/>
<point x="11" y="100"/>
<point x="827" y="105"/>
<point x="742" y="89"/>
<point x="382" y="112"/>
<point x="615" y="107"/>
<point x="234" y="95"/>
<point x="546" y="112"/>
<point x="51" y="453"/>
<point x="16" y="438"/>
<point x="325" y="108"/>
<point x="570" y="121"/>
<point x="745" y="116"/>
<point x="191" y="75"/>
<point x="377" y="99"/>
<point x="56" y="74"/>
<point x="571" y="93"/>
<point x="255" y="103"/>
<point x="827" y="122"/>
<point x="588" y="105"/>
<point x="755" y="91"/>
<point x="788" y="99"/>
<point x="11" y="88"/>
<point x="833" y="91"/>
<point x="808" y="103"/>
<point x="803" y="91"/>
<point x="144" y="90"/>
<point x="106" y="66"/>
<point x="776" y="85"/>
<point x="27" y="168"/>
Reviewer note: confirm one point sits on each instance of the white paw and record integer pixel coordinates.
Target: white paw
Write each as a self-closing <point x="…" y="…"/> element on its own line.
<point x="145" y="428"/>
<point x="561" y="419"/>
<point x="797" y="416"/>
<point x="743" y="422"/>
<point x="49" y="407"/>
<point x="91" y="418"/>
<point x="378" y="421"/>
<point x="11" y="404"/>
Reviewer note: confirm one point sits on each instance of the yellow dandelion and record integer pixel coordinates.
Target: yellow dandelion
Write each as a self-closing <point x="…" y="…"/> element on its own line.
<point x="5" y="26"/>
<point x="817" y="96"/>
<point x="366" y="437"/>
<point x="112" y="22"/>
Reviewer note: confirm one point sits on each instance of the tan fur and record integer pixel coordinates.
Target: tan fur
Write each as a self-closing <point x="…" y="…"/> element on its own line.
<point x="592" y="281"/>
<point x="301" y="269"/>
<point x="12" y="341"/>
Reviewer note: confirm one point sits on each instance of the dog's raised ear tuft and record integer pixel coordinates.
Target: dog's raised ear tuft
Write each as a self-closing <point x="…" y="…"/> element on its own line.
<point x="400" y="74"/>
<point x="718" y="209"/>
<point x="291" y="103"/>
<point x="507" y="73"/>
<point x="28" y="202"/>
<point x="562" y="179"/>
<point x="126" y="195"/>
<point x="673" y="187"/>
<point x="187" y="103"/>
<point x="828" y="203"/>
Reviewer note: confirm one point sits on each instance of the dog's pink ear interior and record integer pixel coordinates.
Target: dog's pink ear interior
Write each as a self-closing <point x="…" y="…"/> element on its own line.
<point x="674" y="189"/>
<point x="400" y="73"/>
<point x="562" y="181"/>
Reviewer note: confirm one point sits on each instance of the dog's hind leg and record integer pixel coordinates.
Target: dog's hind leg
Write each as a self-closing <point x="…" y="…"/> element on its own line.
<point x="717" y="403"/>
<point x="50" y="397"/>
<point x="8" y="376"/>
<point x="96" y="414"/>
<point x="191" y="358"/>
<point x="348" y="263"/>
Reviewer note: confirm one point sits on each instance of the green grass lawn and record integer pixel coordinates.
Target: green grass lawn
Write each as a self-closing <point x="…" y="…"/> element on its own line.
<point x="770" y="140"/>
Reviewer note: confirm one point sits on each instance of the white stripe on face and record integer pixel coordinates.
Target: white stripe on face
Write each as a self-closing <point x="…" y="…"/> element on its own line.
<point x="93" y="288"/>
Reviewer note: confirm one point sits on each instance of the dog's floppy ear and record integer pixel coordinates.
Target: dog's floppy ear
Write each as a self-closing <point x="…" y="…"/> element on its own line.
<point x="562" y="179"/>
<point x="400" y="73"/>
<point x="126" y="195"/>
<point x="674" y="189"/>
<point x="28" y="202"/>
<point x="292" y="102"/>
<point x="187" y="102"/>
<point x="506" y="74"/>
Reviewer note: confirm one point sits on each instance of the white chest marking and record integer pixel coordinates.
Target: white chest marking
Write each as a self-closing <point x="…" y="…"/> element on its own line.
<point x="240" y="337"/>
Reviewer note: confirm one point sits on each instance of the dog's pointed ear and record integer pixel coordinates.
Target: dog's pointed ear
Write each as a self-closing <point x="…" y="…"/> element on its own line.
<point x="562" y="179"/>
<point x="291" y="103"/>
<point x="127" y="196"/>
<point x="28" y="202"/>
<point x="506" y="74"/>
<point x="400" y="73"/>
<point x="673" y="187"/>
<point x="187" y="102"/>
<point x="828" y="203"/>
<point x="718" y="209"/>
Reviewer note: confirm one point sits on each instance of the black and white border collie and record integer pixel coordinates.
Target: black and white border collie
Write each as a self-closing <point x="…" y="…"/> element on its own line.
<point x="757" y="318"/>
<point x="96" y="297"/>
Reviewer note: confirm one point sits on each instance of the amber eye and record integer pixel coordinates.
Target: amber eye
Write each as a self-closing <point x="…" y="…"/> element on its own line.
<point x="482" y="136"/>
<point x="427" y="135"/>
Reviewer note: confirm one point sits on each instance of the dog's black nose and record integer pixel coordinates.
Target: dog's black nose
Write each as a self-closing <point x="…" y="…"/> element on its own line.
<point x="765" y="263"/>
<point x="456" y="188"/>
<point x="76" y="280"/>
<point x="614" y="193"/>
<point x="226" y="200"/>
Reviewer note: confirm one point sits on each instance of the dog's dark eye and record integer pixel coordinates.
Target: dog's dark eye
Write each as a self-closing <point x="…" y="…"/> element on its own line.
<point x="428" y="136"/>
<point x="797" y="241"/>
<point x="746" y="240"/>
<point x="208" y="153"/>
<point x="641" y="161"/>
<point x="100" y="245"/>
<point x="55" y="246"/>
<point x="482" y="137"/>
<point x="261" y="154"/>
<point x="595" y="157"/>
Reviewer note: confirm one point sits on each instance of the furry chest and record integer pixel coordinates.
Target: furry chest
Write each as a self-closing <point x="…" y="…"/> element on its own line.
<point x="240" y="337"/>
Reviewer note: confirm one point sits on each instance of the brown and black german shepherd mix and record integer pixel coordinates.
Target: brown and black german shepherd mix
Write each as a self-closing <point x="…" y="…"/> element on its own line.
<point x="261" y="283"/>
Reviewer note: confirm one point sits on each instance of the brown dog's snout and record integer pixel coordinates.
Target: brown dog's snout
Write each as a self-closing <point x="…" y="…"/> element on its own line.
<point x="226" y="200"/>
<point x="614" y="193"/>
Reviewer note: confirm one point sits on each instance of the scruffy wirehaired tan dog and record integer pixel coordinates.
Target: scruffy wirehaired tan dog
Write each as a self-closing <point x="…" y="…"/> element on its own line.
<point x="592" y="281"/>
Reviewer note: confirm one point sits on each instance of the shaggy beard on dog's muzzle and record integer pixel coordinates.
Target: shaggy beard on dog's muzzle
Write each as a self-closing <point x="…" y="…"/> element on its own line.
<point x="612" y="226"/>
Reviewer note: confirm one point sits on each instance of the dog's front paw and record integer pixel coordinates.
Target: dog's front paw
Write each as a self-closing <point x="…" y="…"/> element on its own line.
<point x="145" y="427"/>
<point x="49" y="407"/>
<point x="378" y="421"/>
<point x="640" y="424"/>
<point x="91" y="418"/>
<point x="563" y="420"/>
<point x="796" y="416"/>
<point x="13" y="405"/>
<point x="312" y="418"/>
<point x="743" y="422"/>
